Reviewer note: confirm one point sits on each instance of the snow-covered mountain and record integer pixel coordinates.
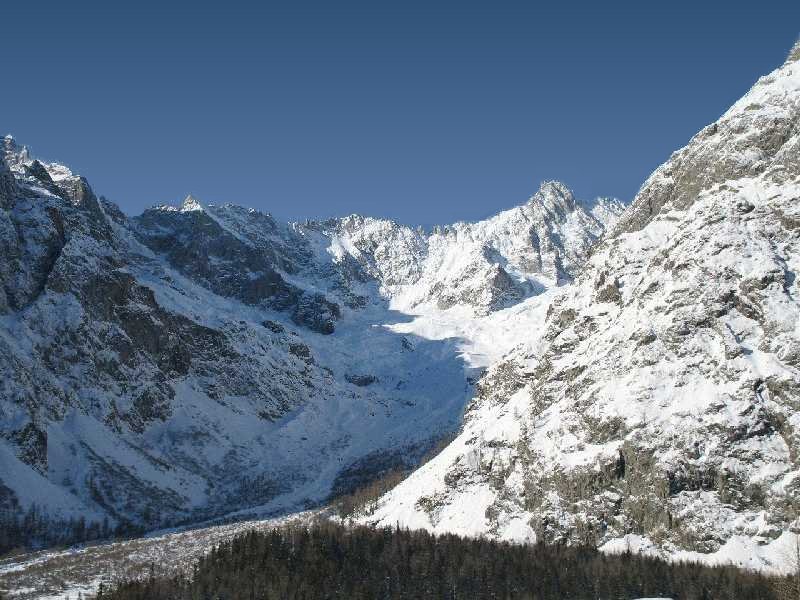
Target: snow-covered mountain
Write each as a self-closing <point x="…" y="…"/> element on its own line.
<point x="622" y="377"/>
<point x="487" y="265"/>
<point x="659" y="405"/>
<point x="199" y="360"/>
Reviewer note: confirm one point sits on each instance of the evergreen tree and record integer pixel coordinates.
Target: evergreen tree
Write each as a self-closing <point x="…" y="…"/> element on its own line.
<point x="326" y="560"/>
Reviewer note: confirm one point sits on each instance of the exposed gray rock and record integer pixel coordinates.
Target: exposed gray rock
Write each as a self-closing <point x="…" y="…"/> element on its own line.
<point x="759" y="138"/>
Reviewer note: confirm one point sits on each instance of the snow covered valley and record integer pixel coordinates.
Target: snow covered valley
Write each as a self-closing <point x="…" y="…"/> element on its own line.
<point x="622" y="377"/>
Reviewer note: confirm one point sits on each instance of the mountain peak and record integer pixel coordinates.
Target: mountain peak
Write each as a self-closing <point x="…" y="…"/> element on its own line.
<point x="15" y="156"/>
<point x="555" y="196"/>
<point x="553" y="186"/>
<point x="10" y="144"/>
<point x="190" y="203"/>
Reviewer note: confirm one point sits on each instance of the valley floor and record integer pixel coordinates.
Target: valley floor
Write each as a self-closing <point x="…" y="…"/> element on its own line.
<point x="327" y="560"/>
<point x="77" y="571"/>
<point x="54" y="574"/>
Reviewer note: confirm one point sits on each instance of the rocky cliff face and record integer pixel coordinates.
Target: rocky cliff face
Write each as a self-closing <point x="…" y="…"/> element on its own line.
<point x="658" y="406"/>
<point x="240" y="254"/>
<point x="107" y="362"/>
<point x="200" y="359"/>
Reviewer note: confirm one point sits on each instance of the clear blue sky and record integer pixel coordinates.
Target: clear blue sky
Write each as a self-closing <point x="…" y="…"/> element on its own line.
<point x="426" y="112"/>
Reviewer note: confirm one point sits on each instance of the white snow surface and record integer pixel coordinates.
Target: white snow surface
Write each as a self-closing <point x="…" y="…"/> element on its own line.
<point x="169" y="381"/>
<point x="59" y="574"/>
<point x="654" y="405"/>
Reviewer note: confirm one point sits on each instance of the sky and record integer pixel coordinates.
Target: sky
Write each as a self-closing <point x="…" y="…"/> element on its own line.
<point x="424" y="112"/>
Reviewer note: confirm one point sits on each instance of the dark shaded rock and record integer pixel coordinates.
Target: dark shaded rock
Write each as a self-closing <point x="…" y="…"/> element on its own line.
<point x="152" y="403"/>
<point x="37" y="170"/>
<point x="113" y="211"/>
<point x="199" y="247"/>
<point x="273" y="326"/>
<point x="32" y="446"/>
<point x="8" y="187"/>
<point x="317" y="313"/>
<point x="361" y="380"/>
<point x="300" y="351"/>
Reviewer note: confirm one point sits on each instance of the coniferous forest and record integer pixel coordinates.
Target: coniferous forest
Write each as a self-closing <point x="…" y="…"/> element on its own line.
<point x="327" y="560"/>
<point x="35" y="529"/>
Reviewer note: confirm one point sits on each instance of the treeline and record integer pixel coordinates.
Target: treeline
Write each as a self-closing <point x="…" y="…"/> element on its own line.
<point x="326" y="560"/>
<point x="362" y="499"/>
<point x="35" y="529"/>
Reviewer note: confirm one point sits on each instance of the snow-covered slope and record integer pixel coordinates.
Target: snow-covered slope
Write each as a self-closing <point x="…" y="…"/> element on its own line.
<point x="659" y="405"/>
<point x="486" y="265"/>
<point x="201" y="359"/>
